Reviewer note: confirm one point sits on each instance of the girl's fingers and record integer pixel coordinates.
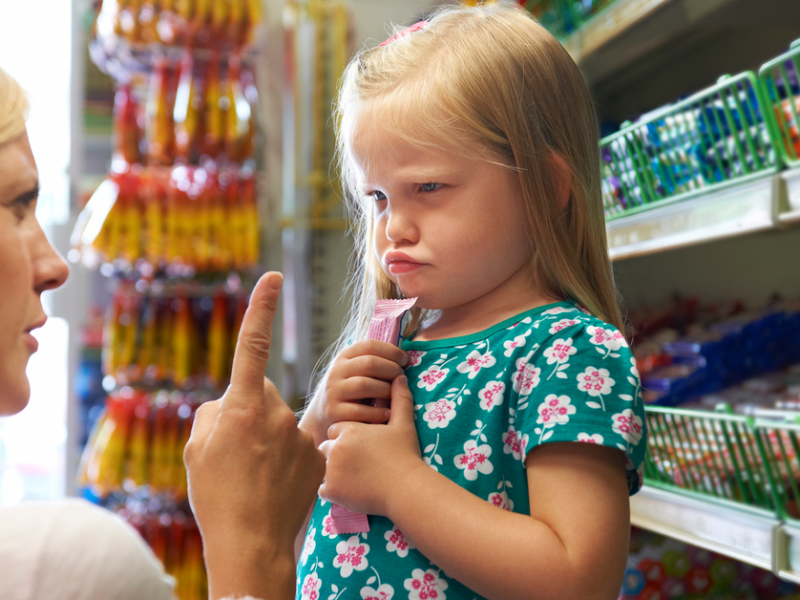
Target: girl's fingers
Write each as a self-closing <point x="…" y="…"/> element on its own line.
<point x="376" y="348"/>
<point x="376" y="367"/>
<point x="359" y="388"/>
<point x="361" y="413"/>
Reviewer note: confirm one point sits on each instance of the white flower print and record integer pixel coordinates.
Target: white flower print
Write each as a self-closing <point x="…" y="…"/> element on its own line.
<point x="594" y="438"/>
<point x="432" y="377"/>
<point x="475" y="362"/>
<point x="555" y="410"/>
<point x="431" y="449"/>
<point x="492" y="395"/>
<point x="308" y="546"/>
<point x="327" y="526"/>
<point x="415" y="357"/>
<point x="311" y="585"/>
<point x="597" y="383"/>
<point x="425" y="585"/>
<point x="557" y="310"/>
<point x="560" y="351"/>
<point x="397" y="542"/>
<point x="501" y="500"/>
<point x="474" y="460"/>
<point x="514" y="443"/>
<point x="634" y="368"/>
<point x="439" y="413"/>
<point x="527" y="376"/>
<point x="350" y="556"/>
<point x="559" y="354"/>
<point x="517" y="342"/>
<point x="524" y="321"/>
<point x="629" y="426"/>
<point x="562" y="324"/>
<point x="611" y="339"/>
<point x="384" y="592"/>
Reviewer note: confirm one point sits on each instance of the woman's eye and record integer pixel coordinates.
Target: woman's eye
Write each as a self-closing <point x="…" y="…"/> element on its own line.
<point x="430" y="187"/>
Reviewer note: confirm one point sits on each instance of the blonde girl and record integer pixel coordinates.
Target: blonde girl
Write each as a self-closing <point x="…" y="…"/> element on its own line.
<point x="469" y="150"/>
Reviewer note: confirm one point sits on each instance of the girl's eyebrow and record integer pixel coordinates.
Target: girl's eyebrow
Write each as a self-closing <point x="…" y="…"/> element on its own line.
<point x="417" y="175"/>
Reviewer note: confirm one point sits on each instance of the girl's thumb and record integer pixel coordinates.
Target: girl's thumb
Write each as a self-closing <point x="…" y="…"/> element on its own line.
<point x="402" y="406"/>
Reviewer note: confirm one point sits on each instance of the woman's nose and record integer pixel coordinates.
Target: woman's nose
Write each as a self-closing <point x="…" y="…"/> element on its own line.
<point x="50" y="271"/>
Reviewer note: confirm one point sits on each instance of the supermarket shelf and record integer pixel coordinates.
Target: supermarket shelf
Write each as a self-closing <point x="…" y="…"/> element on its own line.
<point x="745" y="535"/>
<point x="788" y="549"/>
<point x="609" y="24"/>
<point x="736" y="210"/>
<point x="790" y="208"/>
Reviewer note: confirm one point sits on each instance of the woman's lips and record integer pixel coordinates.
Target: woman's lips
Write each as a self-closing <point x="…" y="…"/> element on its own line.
<point x="31" y="342"/>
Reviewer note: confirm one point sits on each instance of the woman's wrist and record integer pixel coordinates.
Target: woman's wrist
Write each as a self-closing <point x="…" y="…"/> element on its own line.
<point x="263" y="570"/>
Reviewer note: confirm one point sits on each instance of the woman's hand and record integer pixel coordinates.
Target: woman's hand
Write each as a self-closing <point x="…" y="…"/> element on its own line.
<point x="364" y="370"/>
<point x="366" y="464"/>
<point x="252" y="472"/>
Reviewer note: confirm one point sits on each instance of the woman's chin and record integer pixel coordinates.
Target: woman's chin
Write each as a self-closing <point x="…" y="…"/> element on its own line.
<point x="14" y="397"/>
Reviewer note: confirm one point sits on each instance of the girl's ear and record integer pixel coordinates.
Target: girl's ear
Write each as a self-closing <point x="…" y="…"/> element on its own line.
<point x="563" y="179"/>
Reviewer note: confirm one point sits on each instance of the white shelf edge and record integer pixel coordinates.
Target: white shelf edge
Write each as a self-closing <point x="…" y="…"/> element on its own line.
<point x="737" y="210"/>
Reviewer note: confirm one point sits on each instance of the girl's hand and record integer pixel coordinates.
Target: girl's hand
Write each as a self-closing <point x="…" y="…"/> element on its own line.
<point x="365" y="464"/>
<point x="252" y="473"/>
<point x="364" y="370"/>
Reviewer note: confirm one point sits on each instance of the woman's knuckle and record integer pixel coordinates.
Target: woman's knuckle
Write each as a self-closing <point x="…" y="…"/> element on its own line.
<point x="256" y="344"/>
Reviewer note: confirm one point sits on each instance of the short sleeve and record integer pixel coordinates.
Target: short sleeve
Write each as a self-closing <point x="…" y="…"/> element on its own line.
<point x="583" y="386"/>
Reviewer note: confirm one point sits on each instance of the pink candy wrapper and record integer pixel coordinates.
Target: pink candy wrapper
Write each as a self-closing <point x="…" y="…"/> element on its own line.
<point x="387" y="324"/>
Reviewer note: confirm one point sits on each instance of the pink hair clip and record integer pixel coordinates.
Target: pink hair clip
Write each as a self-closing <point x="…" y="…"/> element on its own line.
<point x="404" y="32"/>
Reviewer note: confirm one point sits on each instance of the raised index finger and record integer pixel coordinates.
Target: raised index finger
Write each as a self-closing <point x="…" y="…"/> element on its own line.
<point x="252" y="347"/>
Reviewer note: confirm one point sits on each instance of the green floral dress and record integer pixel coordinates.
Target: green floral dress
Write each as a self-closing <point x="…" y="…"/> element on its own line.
<point x="482" y="402"/>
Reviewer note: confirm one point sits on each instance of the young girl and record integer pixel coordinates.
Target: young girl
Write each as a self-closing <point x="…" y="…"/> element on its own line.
<point x="469" y="147"/>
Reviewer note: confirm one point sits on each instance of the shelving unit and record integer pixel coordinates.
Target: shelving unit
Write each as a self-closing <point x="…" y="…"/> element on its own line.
<point x="760" y="534"/>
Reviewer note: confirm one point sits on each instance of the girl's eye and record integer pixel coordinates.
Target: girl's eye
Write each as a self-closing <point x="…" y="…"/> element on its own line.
<point x="431" y="187"/>
<point x="377" y="196"/>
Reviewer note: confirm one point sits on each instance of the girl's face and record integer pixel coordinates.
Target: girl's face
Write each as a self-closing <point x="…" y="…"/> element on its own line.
<point x="448" y="228"/>
<point x="28" y="266"/>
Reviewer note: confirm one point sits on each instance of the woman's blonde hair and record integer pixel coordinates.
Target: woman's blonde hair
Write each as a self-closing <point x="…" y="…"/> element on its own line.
<point x="492" y="80"/>
<point x="13" y="108"/>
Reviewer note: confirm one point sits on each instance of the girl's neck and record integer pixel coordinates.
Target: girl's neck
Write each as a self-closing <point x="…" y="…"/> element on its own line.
<point x="517" y="294"/>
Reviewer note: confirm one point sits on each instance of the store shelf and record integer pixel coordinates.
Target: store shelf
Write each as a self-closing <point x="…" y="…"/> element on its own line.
<point x="790" y="206"/>
<point x="608" y="25"/>
<point x="747" y="535"/>
<point x="740" y="209"/>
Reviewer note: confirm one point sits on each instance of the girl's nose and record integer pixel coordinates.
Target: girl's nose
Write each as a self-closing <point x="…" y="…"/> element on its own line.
<point x="401" y="226"/>
<point x="49" y="269"/>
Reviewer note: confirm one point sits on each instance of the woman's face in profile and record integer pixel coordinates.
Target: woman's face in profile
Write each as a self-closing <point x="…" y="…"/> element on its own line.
<point x="28" y="267"/>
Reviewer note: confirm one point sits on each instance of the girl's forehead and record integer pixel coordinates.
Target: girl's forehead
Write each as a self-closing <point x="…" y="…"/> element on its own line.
<point x="379" y="144"/>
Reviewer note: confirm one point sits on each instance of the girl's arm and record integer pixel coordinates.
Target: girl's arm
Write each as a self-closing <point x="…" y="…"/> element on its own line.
<point x="573" y="545"/>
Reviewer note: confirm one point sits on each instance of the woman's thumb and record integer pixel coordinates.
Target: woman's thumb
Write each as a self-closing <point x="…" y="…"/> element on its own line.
<point x="402" y="405"/>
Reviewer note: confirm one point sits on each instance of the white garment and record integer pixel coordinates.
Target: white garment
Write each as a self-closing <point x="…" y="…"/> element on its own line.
<point x="73" y="550"/>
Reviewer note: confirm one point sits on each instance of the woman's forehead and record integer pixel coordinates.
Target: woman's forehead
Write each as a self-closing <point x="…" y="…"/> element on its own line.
<point x="18" y="173"/>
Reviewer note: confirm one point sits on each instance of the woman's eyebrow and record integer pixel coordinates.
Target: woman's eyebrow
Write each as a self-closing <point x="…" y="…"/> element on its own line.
<point x="28" y="196"/>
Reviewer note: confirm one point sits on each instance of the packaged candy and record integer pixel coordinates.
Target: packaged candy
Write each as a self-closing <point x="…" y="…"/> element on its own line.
<point x="388" y="324"/>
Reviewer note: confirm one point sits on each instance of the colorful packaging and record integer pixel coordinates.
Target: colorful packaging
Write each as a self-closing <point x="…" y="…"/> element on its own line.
<point x="388" y="324"/>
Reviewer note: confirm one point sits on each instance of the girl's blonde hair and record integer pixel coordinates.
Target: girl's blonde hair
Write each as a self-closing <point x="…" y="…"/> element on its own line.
<point x="489" y="79"/>
<point x="13" y="108"/>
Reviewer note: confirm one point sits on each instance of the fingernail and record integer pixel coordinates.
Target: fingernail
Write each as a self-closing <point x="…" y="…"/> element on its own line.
<point x="405" y="359"/>
<point x="402" y="380"/>
<point x="275" y="282"/>
<point x="387" y="415"/>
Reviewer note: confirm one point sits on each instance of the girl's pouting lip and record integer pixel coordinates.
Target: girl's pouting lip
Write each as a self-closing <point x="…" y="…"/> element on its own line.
<point x="399" y="262"/>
